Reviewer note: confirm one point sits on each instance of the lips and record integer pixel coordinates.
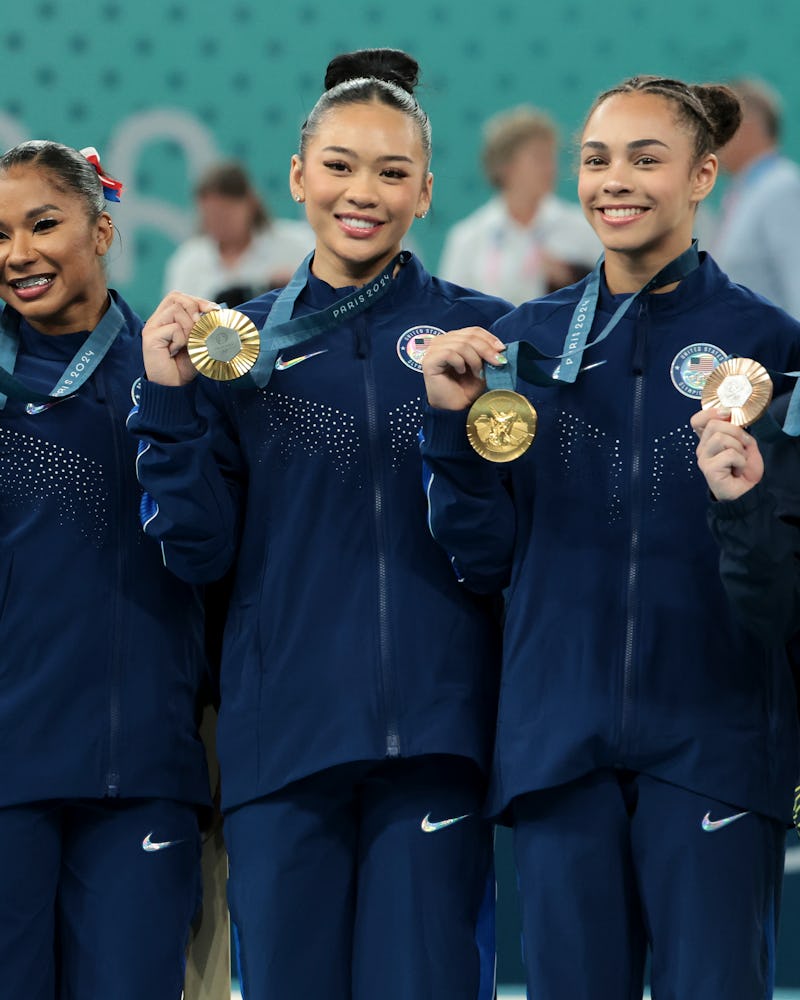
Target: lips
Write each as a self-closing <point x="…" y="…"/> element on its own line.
<point x="357" y="226"/>
<point x="32" y="286"/>
<point x="621" y="214"/>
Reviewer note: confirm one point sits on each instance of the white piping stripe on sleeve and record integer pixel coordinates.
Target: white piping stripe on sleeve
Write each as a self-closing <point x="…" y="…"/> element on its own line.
<point x="428" y="497"/>
<point x="139" y="454"/>
<point x="152" y="517"/>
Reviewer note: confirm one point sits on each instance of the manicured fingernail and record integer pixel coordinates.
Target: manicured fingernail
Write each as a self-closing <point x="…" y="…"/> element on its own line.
<point x="500" y="359"/>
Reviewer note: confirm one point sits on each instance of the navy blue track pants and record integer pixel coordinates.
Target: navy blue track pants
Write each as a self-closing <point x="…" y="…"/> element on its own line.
<point x="367" y="880"/>
<point x="617" y="862"/>
<point x="85" y="911"/>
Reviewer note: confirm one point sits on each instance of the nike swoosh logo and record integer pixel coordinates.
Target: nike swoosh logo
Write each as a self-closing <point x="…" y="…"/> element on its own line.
<point x="428" y="827"/>
<point x="281" y="365"/>
<point x="150" y="845"/>
<point x="710" y="825"/>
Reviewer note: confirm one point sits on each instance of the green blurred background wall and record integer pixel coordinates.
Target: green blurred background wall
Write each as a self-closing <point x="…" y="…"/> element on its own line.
<point x="163" y="88"/>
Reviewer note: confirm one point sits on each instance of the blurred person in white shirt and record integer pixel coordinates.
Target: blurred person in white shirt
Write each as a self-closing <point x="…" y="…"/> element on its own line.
<point x="525" y="241"/>
<point x="241" y="250"/>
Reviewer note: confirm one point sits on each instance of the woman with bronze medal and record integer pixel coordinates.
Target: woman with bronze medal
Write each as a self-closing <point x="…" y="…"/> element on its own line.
<point x="647" y="742"/>
<point x="103" y="773"/>
<point x="359" y="679"/>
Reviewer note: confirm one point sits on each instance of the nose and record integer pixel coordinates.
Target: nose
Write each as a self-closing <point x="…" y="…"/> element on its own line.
<point x="20" y="249"/>
<point x="361" y="192"/>
<point x="617" y="180"/>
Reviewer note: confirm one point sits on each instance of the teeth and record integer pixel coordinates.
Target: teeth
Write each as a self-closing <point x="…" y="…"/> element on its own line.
<point x="358" y="223"/>
<point x="622" y="213"/>
<point x="31" y="282"/>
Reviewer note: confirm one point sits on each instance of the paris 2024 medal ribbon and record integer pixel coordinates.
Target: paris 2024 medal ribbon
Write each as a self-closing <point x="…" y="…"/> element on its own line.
<point x="223" y="344"/>
<point x="501" y="425"/>
<point x="740" y="385"/>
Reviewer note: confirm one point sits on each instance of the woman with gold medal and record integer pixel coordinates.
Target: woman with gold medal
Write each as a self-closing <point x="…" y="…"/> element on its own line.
<point x="359" y="679"/>
<point x="647" y="742"/>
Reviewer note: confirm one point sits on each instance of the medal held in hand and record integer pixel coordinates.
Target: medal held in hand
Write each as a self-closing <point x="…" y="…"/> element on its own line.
<point x="501" y="425"/>
<point x="740" y="385"/>
<point x="223" y="344"/>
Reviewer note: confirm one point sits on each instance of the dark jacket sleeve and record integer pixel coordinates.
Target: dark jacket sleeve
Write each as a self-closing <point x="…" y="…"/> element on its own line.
<point x="470" y="510"/>
<point x="759" y="539"/>
<point x="190" y="467"/>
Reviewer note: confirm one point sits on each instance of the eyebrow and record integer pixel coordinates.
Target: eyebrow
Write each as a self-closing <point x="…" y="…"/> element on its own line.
<point x="42" y="208"/>
<point x="37" y="211"/>
<point x="636" y="144"/>
<point x="381" y="159"/>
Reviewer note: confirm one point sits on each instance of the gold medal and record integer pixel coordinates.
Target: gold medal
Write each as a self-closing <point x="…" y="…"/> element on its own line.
<point x="501" y="425"/>
<point x="223" y="344"/>
<point x="740" y="385"/>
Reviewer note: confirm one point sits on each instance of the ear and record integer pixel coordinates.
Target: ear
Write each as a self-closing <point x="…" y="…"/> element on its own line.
<point x="704" y="177"/>
<point x="104" y="234"/>
<point x="425" y="195"/>
<point x="296" y="185"/>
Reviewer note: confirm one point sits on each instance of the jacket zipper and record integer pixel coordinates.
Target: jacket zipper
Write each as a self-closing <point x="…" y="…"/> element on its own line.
<point x="384" y="630"/>
<point x="115" y="693"/>
<point x="634" y="553"/>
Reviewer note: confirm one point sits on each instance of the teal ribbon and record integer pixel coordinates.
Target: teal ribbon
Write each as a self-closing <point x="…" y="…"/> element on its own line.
<point x="523" y="356"/>
<point x="281" y="331"/>
<point x="77" y="372"/>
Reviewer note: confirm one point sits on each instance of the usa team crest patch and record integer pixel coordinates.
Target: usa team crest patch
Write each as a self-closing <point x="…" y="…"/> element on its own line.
<point x="692" y="366"/>
<point x="412" y="345"/>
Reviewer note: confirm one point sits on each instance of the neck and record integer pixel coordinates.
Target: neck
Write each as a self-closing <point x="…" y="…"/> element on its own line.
<point x="626" y="273"/>
<point x="84" y="316"/>
<point x="759" y="154"/>
<point x="231" y="250"/>
<point x="342" y="274"/>
<point x="522" y="207"/>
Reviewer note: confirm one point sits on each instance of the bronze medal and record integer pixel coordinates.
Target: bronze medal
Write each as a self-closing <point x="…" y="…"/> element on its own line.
<point x="501" y="425"/>
<point x="223" y="344"/>
<point x="740" y="385"/>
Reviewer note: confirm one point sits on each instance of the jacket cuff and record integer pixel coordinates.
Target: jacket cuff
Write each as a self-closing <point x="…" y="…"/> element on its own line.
<point x="445" y="431"/>
<point x="743" y="506"/>
<point x="171" y="407"/>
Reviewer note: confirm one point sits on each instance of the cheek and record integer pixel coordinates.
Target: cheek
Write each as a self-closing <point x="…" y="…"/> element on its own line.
<point x="585" y="188"/>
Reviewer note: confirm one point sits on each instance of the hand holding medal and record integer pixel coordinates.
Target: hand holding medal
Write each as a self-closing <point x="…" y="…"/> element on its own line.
<point x="501" y="423"/>
<point x="736" y="394"/>
<point x="165" y="338"/>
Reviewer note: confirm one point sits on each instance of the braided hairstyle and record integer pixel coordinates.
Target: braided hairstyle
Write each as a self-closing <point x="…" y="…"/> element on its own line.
<point x="711" y="112"/>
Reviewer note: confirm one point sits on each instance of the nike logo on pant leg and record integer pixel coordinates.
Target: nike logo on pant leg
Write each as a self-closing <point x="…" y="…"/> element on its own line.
<point x="431" y="827"/>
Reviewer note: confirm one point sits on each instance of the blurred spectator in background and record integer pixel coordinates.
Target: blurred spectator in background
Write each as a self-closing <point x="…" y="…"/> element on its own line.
<point x="525" y="241"/>
<point x="241" y="250"/>
<point x="758" y="238"/>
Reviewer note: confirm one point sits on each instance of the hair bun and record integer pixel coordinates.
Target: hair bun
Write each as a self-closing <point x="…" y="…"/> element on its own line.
<point x="723" y="109"/>
<point x="391" y="65"/>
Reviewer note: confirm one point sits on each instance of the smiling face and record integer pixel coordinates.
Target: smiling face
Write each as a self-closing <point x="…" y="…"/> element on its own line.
<point x="639" y="185"/>
<point x="50" y="252"/>
<point x="363" y="178"/>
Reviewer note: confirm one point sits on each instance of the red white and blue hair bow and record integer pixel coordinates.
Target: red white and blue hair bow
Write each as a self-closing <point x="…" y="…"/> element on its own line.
<point x="112" y="189"/>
